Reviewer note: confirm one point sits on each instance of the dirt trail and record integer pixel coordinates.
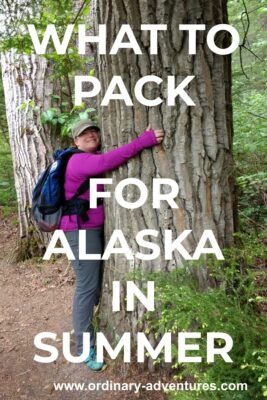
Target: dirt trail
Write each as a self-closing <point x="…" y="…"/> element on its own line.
<point x="36" y="296"/>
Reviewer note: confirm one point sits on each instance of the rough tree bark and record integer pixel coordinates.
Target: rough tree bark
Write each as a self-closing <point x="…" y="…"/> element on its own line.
<point x="197" y="148"/>
<point x="27" y="88"/>
<point x="25" y="82"/>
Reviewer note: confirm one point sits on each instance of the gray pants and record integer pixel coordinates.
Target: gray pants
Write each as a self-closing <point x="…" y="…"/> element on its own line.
<point x="88" y="283"/>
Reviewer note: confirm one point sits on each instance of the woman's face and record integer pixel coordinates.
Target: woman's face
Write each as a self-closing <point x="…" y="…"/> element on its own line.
<point x="88" y="140"/>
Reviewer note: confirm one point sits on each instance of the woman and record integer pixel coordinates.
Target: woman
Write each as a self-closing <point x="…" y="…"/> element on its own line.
<point x="81" y="166"/>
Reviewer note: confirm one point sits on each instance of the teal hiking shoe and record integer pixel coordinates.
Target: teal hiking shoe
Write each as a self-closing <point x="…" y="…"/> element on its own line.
<point x="92" y="364"/>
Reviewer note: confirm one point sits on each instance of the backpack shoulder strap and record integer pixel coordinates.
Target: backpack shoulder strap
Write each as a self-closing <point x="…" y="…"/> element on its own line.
<point x="66" y="153"/>
<point x="81" y="189"/>
<point x="85" y="185"/>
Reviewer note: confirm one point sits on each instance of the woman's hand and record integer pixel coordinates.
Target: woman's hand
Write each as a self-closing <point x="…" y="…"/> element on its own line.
<point x="159" y="133"/>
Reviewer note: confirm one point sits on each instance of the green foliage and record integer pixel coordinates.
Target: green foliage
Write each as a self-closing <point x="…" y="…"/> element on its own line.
<point x="39" y="13"/>
<point x="62" y="114"/>
<point x="252" y="203"/>
<point x="7" y="186"/>
<point x="249" y="106"/>
<point x="65" y="120"/>
<point x="61" y="13"/>
<point x="250" y="140"/>
<point x="231" y="307"/>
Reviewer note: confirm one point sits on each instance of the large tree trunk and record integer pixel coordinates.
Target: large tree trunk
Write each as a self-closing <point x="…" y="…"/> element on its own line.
<point x="198" y="143"/>
<point x="27" y="93"/>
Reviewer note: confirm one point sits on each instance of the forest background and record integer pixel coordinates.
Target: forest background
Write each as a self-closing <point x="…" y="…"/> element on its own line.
<point x="237" y="305"/>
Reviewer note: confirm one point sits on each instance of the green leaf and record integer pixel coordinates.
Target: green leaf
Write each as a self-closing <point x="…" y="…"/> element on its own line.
<point x="83" y="115"/>
<point x="90" y="110"/>
<point x="92" y="72"/>
<point x="22" y="106"/>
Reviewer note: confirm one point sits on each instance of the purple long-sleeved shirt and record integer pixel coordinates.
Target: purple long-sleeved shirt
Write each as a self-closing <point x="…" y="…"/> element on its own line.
<point x="86" y="165"/>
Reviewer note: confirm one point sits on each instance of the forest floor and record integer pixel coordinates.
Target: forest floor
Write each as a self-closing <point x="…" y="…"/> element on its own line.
<point x="36" y="296"/>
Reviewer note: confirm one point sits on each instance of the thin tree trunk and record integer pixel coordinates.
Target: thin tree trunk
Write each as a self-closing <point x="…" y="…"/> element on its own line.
<point x="27" y="93"/>
<point x="197" y="149"/>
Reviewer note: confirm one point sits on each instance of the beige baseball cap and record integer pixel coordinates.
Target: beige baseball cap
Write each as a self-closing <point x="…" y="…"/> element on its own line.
<point x="80" y="126"/>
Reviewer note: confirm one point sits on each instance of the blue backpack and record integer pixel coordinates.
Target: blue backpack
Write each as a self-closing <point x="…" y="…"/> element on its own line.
<point x="48" y="199"/>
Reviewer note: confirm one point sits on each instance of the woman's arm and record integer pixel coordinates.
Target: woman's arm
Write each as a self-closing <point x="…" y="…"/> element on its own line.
<point x="85" y="164"/>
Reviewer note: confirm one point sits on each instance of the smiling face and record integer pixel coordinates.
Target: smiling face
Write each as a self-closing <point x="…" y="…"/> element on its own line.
<point x="88" y="140"/>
